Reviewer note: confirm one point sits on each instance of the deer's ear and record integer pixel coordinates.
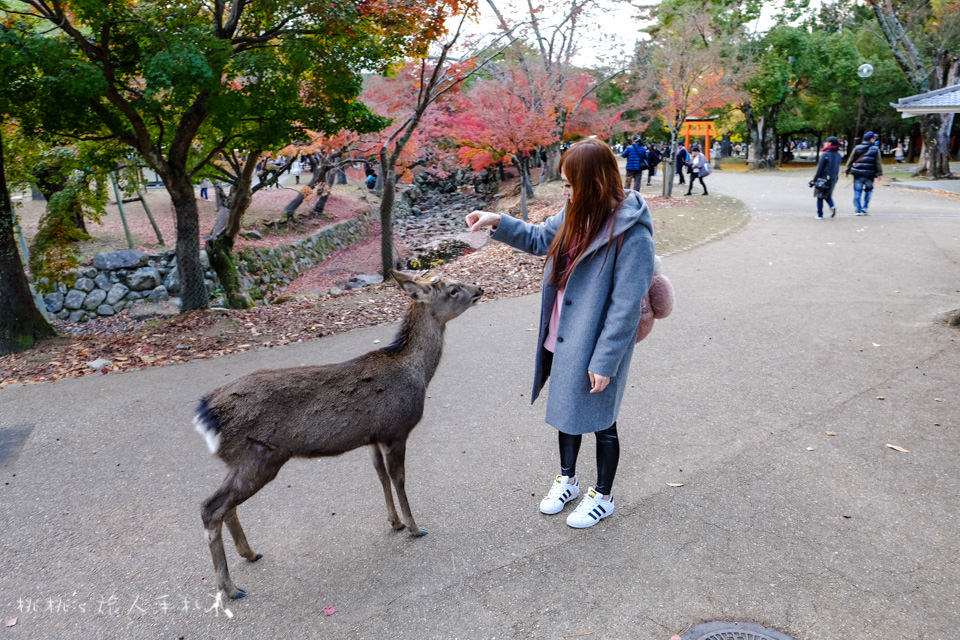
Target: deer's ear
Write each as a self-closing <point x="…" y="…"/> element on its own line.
<point x="399" y="276"/>
<point x="409" y="285"/>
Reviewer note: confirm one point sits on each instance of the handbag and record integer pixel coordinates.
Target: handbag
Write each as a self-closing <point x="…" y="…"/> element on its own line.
<point x="822" y="183"/>
<point x="705" y="169"/>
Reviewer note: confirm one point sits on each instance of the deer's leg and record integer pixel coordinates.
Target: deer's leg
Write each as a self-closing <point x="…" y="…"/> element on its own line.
<point x="239" y="539"/>
<point x="378" y="464"/>
<point x="243" y="481"/>
<point x="212" y="512"/>
<point x="394" y="454"/>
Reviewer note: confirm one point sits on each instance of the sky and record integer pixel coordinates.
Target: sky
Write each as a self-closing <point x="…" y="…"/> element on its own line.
<point x="610" y="33"/>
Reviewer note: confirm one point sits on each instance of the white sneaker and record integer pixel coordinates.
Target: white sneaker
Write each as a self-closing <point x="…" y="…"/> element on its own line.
<point x="591" y="510"/>
<point x="561" y="492"/>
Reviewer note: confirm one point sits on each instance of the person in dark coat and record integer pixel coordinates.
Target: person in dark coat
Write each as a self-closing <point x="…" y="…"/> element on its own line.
<point x="636" y="155"/>
<point x="825" y="179"/>
<point x="866" y="165"/>
<point x="600" y="260"/>
<point x="682" y="158"/>
<point x="653" y="159"/>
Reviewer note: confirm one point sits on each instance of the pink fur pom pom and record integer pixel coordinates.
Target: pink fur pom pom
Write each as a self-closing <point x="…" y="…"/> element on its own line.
<point x="661" y="296"/>
<point x="646" y="321"/>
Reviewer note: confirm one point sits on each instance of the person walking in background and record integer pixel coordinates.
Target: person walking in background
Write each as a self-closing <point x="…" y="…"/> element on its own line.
<point x="636" y="156"/>
<point x="699" y="169"/>
<point x="866" y="165"/>
<point x="296" y="168"/>
<point x="682" y="158"/>
<point x="898" y="153"/>
<point x="600" y="260"/>
<point x="653" y="159"/>
<point x="204" y="185"/>
<point x="825" y="179"/>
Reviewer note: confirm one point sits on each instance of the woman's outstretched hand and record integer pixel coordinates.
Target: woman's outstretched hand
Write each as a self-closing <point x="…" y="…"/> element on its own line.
<point x="477" y="220"/>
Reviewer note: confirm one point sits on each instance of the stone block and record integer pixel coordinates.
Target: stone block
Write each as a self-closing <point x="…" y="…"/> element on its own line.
<point x="94" y="299"/>
<point x="53" y="302"/>
<point x="159" y="294"/>
<point x="74" y="299"/>
<point x="144" y="279"/>
<point x="126" y="259"/>
<point x="116" y="293"/>
<point x="102" y="281"/>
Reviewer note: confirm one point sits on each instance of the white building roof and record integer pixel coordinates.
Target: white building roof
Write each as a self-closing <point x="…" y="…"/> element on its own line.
<point x="946" y="100"/>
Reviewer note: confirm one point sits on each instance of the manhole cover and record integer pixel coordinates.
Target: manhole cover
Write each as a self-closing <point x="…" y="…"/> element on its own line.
<point x="732" y="631"/>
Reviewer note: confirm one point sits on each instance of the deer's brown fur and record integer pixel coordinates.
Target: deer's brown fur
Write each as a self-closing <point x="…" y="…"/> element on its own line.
<point x="259" y="421"/>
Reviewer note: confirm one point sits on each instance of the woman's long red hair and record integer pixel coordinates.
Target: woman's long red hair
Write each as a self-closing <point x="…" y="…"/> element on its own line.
<point x="592" y="171"/>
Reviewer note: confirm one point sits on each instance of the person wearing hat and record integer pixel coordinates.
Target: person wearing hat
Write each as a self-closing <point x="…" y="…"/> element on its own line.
<point x="825" y="179"/>
<point x="866" y="165"/>
<point x="636" y="156"/>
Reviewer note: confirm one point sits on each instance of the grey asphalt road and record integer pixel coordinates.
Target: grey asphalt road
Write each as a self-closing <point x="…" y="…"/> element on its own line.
<point x="799" y="351"/>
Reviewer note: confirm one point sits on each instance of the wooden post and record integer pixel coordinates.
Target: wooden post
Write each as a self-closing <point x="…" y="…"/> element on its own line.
<point x="153" y="222"/>
<point x="123" y="218"/>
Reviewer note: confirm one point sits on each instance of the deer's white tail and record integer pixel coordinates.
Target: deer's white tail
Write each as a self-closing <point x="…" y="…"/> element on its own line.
<point x="207" y="425"/>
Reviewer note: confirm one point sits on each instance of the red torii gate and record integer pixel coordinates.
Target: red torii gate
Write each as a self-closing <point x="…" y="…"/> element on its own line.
<point x="697" y="128"/>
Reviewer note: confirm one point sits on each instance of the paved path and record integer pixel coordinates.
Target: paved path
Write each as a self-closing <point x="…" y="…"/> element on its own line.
<point x="784" y="331"/>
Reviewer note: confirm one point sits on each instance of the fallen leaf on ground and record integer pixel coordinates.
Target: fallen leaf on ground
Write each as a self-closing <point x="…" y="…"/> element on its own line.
<point x="881" y="398"/>
<point x="831" y="433"/>
<point x="11" y="622"/>
<point x="674" y="484"/>
<point x="896" y="448"/>
<point x="329" y="610"/>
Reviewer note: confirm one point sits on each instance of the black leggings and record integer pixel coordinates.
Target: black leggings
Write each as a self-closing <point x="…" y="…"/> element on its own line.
<point x="696" y="176"/>
<point x="608" y="455"/>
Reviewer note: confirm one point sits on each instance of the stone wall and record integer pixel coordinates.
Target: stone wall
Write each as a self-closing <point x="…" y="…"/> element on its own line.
<point x="118" y="279"/>
<point x="266" y="272"/>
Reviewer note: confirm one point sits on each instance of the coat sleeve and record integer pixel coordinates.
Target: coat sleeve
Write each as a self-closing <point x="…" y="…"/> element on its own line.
<point x="532" y="238"/>
<point x="633" y="273"/>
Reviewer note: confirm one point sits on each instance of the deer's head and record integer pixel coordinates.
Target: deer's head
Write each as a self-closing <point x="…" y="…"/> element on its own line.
<point x="444" y="297"/>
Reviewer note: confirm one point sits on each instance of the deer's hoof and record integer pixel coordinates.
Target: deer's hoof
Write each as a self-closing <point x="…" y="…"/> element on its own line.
<point x="237" y="594"/>
<point x="255" y="558"/>
<point x="419" y="534"/>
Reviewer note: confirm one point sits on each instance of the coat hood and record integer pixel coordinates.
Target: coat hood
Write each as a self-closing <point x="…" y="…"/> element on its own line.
<point x="633" y="210"/>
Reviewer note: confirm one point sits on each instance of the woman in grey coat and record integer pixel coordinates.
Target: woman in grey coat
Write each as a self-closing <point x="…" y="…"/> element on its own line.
<point x="828" y="171"/>
<point x="599" y="266"/>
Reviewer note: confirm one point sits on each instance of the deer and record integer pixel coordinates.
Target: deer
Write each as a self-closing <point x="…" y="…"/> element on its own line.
<point x="257" y="422"/>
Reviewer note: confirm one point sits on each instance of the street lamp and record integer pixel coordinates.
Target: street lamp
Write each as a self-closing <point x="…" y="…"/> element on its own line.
<point x="864" y="71"/>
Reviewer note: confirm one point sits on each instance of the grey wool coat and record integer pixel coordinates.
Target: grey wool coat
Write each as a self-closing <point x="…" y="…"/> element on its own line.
<point x="600" y="315"/>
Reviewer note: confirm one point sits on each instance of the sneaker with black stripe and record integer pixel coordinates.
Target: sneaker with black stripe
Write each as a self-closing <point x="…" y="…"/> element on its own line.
<point x="561" y="492"/>
<point x="591" y="510"/>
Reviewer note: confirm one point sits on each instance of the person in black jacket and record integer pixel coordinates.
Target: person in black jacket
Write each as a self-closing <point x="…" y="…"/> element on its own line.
<point x="866" y="165"/>
<point x="825" y="179"/>
<point x="653" y="159"/>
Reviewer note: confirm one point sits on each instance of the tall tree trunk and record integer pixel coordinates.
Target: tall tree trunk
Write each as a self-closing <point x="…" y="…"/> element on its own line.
<point x="934" y="128"/>
<point x="760" y="138"/>
<point x="21" y="323"/>
<point x="551" y="169"/>
<point x="230" y="211"/>
<point x="193" y="289"/>
<point x="387" y="198"/>
<point x="935" y="154"/>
